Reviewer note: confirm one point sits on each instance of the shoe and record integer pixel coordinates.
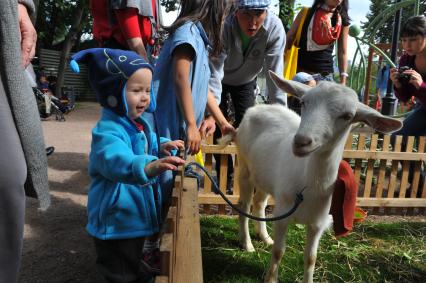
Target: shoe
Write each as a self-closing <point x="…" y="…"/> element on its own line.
<point x="49" y="150"/>
<point x="152" y="261"/>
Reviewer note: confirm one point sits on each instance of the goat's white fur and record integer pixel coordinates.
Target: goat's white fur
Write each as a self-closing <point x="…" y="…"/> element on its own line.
<point x="268" y="140"/>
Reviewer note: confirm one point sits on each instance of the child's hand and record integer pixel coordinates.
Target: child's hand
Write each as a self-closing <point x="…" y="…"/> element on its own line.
<point x="207" y="127"/>
<point x="157" y="167"/>
<point x="193" y="140"/>
<point x="168" y="146"/>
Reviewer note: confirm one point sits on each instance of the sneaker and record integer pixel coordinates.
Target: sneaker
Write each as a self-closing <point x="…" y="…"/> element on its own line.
<point x="151" y="261"/>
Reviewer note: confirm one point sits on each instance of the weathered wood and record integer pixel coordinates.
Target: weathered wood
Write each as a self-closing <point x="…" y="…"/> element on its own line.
<point x="188" y="262"/>
<point x="370" y="167"/>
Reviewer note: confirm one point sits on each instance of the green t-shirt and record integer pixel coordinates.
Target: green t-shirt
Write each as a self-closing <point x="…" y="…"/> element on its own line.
<point x="245" y="41"/>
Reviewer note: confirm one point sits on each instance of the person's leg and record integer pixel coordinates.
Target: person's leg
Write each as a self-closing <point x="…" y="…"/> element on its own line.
<point x="13" y="173"/>
<point x="243" y="97"/>
<point x="120" y="260"/>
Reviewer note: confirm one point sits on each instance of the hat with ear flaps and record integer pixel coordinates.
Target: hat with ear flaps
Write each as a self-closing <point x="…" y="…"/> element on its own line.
<point x="109" y="70"/>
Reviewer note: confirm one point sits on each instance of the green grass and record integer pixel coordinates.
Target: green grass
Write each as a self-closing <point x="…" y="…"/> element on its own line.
<point x="373" y="252"/>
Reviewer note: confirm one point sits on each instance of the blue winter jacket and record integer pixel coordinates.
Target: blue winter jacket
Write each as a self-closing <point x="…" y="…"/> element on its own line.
<point x="123" y="202"/>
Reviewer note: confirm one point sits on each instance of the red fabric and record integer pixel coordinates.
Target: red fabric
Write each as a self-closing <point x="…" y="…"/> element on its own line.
<point x="323" y="32"/>
<point x="139" y="126"/>
<point x="344" y="200"/>
<point x="132" y="25"/>
<point x="129" y="24"/>
<point x="101" y="27"/>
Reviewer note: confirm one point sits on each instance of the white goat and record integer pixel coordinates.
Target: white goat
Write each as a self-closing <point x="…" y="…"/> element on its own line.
<point x="280" y="154"/>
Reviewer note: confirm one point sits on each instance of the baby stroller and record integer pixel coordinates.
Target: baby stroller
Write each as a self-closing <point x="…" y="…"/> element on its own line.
<point x="49" y="104"/>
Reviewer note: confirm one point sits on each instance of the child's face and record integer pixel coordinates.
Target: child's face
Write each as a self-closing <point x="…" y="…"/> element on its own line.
<point x="413" y="45"/>
<point x="138" y="92"/>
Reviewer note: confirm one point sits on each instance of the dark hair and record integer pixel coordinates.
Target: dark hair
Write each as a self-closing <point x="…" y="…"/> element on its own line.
<point x="415" y="25"/>
<point x="210" y="13"/>
<point x="342" y="9"/>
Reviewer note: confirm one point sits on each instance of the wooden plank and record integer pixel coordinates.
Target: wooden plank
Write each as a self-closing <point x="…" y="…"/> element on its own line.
<point x="405" y="168"/>
<point x="364" y="154"/>
<point x="161" y="279"/>
<point x="229" y="149"/>
<point x="358" y="162"/>
<point x="417" y="169"/>
<point x="367" y="202"/>
<point x="391" y="202"/>
<point x="223" y="180"/>
<point x="236" y="177"/>
<point x="394" y="169"/>
<point x="370" y="167"/>
<point x="188" y="261"/>
<point x="166" y="254"/>
<point x="382" y="168"/>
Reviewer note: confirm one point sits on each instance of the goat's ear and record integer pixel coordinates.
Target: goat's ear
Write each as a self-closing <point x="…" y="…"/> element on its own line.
<point x="376" y="120"/>
<point x="292" y="87"/>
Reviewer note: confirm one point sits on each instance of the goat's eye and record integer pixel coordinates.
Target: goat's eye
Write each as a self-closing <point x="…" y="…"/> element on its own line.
<point x="302" y="103"/>
<point x="346" y="116"/>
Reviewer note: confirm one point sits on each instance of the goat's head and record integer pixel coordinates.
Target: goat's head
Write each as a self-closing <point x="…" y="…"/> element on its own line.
<point x="328" y="110"/>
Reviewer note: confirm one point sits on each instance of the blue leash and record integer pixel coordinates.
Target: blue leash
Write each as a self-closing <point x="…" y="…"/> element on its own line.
<point x="298" y="200"/>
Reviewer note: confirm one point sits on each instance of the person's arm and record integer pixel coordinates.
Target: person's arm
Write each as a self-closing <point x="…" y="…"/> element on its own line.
<point x="128" y="20"/>
<point x="342" y="54"/>
<point x="27" y="31"/>
<point x="274" y="61"/>
<point x="291" y="34"/>
<point x="217" y="114"/>
<point x="182" y="58"/>
<point x="216" y="69"/>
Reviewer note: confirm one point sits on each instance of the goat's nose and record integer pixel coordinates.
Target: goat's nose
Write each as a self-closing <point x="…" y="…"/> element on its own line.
<point x="301" y="141"/>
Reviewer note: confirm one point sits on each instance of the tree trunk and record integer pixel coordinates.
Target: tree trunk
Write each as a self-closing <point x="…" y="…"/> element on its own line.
<point x="68" y="44"/>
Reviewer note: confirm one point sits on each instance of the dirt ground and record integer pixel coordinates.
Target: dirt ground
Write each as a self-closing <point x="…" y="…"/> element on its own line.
<point x="56" y="246"/>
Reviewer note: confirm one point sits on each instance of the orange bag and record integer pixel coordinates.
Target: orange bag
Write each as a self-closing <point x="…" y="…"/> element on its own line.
<point x="290" y="56"/>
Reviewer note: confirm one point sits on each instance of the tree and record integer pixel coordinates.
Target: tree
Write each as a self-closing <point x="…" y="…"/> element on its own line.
<point x="384" y="32"/>
<point x="287" y="12"/>
<point x="72" y="37"/>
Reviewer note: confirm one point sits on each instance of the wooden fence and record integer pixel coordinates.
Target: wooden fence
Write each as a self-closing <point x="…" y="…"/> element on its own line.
<point x="382" y="172"/>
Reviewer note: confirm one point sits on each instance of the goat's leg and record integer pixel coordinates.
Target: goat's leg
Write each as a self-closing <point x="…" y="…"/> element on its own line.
<point x="244" y="202"/>
<point x="314" y="233"/>
<point x="260" y="200"/>
<point x="280" y="232"/>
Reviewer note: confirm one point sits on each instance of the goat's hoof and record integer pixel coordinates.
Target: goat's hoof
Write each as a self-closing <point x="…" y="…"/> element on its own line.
<point x="268" y="241"/>
<point x="248" y="247"/>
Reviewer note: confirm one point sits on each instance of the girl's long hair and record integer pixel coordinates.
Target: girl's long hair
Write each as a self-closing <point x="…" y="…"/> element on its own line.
<point x="210" y="13"/>
<point x="342" y="9"/>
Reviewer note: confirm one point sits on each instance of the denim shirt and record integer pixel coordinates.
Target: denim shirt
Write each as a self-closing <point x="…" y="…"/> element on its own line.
<point x="170" y="120"/>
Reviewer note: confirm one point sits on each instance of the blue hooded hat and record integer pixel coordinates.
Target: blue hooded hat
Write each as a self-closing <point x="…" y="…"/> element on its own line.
<point x="109" y="70"/>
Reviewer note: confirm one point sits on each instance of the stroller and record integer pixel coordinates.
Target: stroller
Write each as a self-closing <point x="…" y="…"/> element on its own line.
<point x="49" y="104"/>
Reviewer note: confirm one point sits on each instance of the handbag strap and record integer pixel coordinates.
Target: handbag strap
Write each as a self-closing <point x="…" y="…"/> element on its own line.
<point x="304" y="12"/>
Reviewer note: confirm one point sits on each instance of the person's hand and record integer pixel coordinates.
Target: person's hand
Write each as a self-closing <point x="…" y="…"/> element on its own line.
<point x="158" y="166"/>
<point x="208" y="127"/>
<point x="193" y="141"/>
<point x="393" y="75"/>
<point x="168" y="146"/>
<point x="28" y="36"/>
<point x="415" y="78"/>
<point x="227" y="128"/>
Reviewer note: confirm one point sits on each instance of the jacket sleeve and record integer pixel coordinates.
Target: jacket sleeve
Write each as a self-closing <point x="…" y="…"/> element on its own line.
<point x="274" y="60"/>
<point x="216" y="70"/>
<point x="114" y="159"/>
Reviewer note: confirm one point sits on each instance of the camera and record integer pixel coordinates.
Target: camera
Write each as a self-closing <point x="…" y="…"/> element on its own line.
<point x="404" y="79"/>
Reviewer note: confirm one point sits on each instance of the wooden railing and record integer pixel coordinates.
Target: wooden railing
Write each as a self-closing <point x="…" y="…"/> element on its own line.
<point x="181" y="243"/>
<point x="381" y="171"/>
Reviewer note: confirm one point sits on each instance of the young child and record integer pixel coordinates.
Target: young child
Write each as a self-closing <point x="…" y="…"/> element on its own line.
<point x="304" y="78"/>
<point x="182" y="74"/>
<point x="124" y="201"/>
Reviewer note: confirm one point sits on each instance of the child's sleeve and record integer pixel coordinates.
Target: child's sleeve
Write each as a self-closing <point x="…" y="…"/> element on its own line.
<point x="114" y="160"/>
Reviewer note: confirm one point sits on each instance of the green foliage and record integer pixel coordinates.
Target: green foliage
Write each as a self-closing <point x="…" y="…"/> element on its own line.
<point x="55" y="18"/>
<point x="373" y="252"/>
<point x="170" y="5"/>
<point x="384" y="33"/>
